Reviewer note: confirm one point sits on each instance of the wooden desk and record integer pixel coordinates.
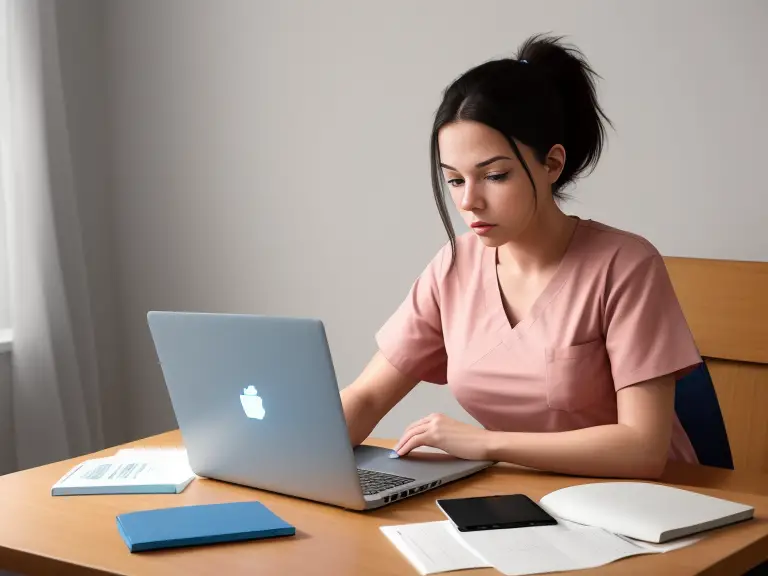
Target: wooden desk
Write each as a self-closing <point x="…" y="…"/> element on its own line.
<point x="40" y="534"/>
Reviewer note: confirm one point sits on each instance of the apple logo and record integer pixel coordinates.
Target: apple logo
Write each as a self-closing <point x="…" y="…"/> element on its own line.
<point x="252" y="403"/>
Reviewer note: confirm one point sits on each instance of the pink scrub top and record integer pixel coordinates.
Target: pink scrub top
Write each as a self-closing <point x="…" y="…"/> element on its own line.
<point x="608" y="318"/>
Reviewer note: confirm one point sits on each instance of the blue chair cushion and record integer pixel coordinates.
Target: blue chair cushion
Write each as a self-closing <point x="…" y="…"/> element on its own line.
<point x="699" y="412"/>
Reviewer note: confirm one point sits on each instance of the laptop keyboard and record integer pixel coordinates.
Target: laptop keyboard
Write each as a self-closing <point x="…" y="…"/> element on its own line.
<point x="374" y="482"/>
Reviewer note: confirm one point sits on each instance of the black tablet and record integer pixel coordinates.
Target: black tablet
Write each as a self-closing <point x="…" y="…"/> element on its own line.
<point x="494" y="512"/>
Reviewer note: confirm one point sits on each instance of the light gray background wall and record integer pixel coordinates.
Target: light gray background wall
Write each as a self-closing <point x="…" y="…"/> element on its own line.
<point x="271" y="157"/>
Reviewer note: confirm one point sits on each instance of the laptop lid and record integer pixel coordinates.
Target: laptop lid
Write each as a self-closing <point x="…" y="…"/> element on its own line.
<point x="257" y="402"/>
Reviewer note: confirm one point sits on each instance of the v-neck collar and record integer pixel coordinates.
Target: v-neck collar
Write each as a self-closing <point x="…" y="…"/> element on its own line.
<point x="494" y="300"/>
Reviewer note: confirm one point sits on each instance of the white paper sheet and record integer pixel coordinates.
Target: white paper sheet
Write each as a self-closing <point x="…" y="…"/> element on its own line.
<point x="431" y="549"/>
<point x="548" y="548"/>
<point x="434" y="547"/>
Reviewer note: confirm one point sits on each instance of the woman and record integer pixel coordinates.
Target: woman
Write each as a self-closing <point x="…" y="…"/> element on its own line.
<point x="562" y="337"/>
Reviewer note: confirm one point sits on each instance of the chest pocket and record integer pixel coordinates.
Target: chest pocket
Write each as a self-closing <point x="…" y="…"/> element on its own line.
<point x="577" y="376"/>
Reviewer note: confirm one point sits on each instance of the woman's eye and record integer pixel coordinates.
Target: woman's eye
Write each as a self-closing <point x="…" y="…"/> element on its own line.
<point x="498" y="177"/>
<point x="454" y="182"/>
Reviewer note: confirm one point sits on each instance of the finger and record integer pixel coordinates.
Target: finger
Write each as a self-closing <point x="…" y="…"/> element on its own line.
<point x="407" y="436"/>
<point x="414" y="426"/>
<point x="421" y="422"/>
<point x="420" y="439"/>
<point x="408" y="433"/>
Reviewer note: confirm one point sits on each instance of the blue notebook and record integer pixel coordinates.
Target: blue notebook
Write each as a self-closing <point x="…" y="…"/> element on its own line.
<point x="197" y="525"/>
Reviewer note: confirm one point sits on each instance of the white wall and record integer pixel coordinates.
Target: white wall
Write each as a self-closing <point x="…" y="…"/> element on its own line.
<point x="272" y="157"/>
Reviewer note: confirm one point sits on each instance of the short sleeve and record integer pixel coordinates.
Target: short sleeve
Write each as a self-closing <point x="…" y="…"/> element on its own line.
<point x="647" y="335"/>
<point x="412" y="338"/>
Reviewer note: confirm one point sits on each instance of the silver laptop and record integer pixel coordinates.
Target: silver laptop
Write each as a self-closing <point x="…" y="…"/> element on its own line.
<point x="257" y="403"/>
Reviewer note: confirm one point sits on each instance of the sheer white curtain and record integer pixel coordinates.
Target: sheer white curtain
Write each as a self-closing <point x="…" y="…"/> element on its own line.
<point x="57" y="404"/>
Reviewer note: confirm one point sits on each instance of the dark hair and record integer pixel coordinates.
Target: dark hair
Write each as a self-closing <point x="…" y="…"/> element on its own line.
<point x="544" y="96"/>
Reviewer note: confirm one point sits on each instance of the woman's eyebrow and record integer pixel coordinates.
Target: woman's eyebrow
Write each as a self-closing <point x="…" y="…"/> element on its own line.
<point x="479" y="164"/>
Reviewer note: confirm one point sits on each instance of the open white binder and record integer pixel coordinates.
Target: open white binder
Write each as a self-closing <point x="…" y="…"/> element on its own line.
<point x="642" y="510"/>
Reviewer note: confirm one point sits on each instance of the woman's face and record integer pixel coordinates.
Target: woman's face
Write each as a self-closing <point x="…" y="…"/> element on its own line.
<point x="489" y="185"/>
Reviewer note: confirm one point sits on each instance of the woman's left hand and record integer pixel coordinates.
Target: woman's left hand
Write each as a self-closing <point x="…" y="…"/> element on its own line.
<point x="440" y="431"/>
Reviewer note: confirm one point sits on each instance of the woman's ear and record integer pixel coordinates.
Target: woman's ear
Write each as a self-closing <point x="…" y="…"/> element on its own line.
<point x="555" y="162"/>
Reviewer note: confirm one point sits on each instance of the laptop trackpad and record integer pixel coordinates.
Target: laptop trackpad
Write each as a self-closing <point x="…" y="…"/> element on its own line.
<point x="417" y="465"/>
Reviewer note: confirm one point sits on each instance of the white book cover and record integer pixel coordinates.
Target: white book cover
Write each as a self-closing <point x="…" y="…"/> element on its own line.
<point x="129" y="471"/>
<point x="643" y="510"/>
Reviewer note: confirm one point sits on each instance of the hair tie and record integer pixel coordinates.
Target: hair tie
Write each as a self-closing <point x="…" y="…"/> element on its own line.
<point x="524" y="61"/>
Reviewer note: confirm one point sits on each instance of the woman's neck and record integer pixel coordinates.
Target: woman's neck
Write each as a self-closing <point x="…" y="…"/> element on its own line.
<point x="541" y="245"/>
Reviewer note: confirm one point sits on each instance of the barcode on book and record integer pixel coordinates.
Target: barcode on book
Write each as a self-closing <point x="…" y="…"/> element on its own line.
<point x="97" y="472"/>
<point x="128" y="470"/>
<point x="131" y="470"/>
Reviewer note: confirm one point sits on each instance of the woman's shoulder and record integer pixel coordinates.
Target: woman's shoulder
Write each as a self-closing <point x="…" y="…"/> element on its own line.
<point x="469" y="255"/>
<point x="469" y="245"/>
<point x="615" y="244"/>
<point x="620" y="259"/>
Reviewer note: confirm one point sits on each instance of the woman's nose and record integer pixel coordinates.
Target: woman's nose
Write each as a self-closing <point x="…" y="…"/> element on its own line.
<point x="471" y="199"/>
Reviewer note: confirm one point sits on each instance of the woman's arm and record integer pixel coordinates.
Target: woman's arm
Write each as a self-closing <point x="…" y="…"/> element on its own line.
<point x="636" y="447"/>
<point x="374" y="393"/>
